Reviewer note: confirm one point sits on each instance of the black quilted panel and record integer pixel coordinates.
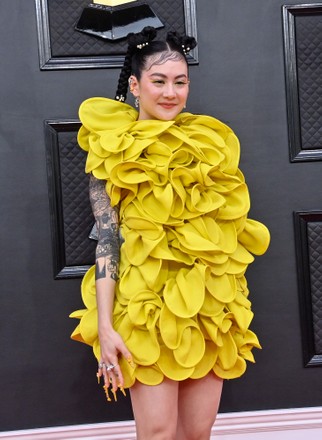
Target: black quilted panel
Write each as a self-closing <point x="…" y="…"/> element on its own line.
<point x="314" y="231"/>
<point x="77" y="215"/>
<point x="66" y="42"/>
<point x="309" y="66"/>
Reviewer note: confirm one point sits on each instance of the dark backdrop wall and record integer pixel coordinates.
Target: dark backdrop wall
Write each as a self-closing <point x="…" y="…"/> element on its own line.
<point x="45" y="378"/>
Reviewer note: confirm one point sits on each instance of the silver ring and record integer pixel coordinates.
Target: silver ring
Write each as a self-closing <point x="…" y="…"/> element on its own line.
<point x="100" y="365"/>
<point x="109" y="367"/>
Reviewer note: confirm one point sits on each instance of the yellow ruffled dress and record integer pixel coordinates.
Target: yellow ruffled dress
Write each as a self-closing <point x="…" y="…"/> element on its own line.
<point x="181" y="302"/>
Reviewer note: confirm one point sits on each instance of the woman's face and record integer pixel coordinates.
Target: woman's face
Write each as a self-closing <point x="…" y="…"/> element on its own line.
<point x="162" y="90"/>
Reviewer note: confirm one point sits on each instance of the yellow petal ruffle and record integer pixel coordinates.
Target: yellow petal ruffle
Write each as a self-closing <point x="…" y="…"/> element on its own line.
<point x="181" y="302"/>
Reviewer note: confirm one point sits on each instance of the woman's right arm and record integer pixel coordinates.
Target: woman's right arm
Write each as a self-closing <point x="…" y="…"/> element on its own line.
<point x="107" y="263"/>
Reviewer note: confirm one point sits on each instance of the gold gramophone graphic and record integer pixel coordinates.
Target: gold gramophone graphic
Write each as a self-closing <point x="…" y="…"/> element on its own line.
<point x="115" y="19"/>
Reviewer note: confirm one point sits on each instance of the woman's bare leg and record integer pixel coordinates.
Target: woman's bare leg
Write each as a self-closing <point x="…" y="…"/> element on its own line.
<point x="198" y="403"/>
<point x="155" y="410"/>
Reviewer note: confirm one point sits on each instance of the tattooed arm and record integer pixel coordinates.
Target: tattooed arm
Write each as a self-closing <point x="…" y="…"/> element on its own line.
<point x="107" y="262"/>
<point x="107" y="250"/>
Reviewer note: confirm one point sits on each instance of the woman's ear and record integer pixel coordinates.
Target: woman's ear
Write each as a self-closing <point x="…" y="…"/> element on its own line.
<point x="134" y="86"/>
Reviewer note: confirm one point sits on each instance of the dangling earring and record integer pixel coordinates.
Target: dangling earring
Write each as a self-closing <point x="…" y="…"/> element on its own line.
<point x="137" y="102"/>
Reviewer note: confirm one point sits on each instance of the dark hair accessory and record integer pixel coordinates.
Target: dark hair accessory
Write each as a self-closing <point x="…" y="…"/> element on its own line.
<point x="184" y="42"/>
<point x="141" y="39"/>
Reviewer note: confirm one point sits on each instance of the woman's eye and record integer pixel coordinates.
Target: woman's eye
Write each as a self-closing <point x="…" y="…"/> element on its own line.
<point x="159" y="82"/>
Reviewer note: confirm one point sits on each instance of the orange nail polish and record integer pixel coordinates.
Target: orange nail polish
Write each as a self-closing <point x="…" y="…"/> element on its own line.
<point x="105" y="387"/>
<point x="122" y="391"/>
<point x="130" y="361"/>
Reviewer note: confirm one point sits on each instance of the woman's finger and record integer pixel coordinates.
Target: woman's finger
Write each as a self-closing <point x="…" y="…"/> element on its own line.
<point x="116" y="378"/>
<point x="113" y="378"/>
<point x="99" y="371"/>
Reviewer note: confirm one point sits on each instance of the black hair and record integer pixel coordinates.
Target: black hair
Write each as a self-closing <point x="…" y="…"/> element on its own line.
<point x="141" y="47"/>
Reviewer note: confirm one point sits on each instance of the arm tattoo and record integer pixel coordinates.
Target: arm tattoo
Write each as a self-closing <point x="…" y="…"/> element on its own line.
<point x="106" y="217"/>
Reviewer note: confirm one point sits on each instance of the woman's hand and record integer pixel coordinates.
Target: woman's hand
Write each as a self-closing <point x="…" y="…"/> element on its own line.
<point x="112" y="346"/>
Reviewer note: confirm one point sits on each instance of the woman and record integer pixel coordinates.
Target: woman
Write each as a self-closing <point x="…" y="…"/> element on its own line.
<point x="167" y="309"/>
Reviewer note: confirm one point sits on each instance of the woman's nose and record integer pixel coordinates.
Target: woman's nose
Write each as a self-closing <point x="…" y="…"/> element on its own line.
<point x="169" y="90"/>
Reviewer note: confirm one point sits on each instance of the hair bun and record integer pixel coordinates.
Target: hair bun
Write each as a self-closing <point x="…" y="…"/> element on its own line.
<point x="185" y="42"/>
<point x="142" y="38"/>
